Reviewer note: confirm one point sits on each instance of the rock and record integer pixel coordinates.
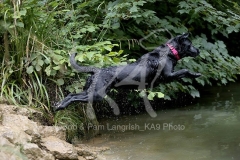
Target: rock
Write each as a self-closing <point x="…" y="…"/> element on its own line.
<point x="14" y="135"/>
<point x="11" y="109"/>
<point x="7" y="108"/>
<point x="59" y="132"/>
<point x="90" y="152"/>
<point x="11" y="153"/>
<point x="33" y="152"/>
<point x="24" y="111"/>
<point x="90" y="157"/>
<point x="81" y="158"/>
<point x="5" y="142"/>
<point x="17" y="123"/>
<point x="21" y="138"/>
<point x="28" y="126"/>
<point x="85" y="152"/>
<point x="59" y="148"/>
<point x="100" y="157"/>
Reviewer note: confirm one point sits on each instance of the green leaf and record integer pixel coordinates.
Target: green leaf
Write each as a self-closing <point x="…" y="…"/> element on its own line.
<point x="90" y="55"/>
<point x="115" y="25"/>
<point x="120" y="52"/>
<point x="57" y="51"/>
<point x="186" y="59"/>
<point x="80" y="57"/>
<point x="40" y="62"/>
<point x="160" y="94"/>
<point x="23" y="12"/>
<point x="47" y="61"/>
<point x="53" y="72"/>
<point x="20" y="24"/>
<point x="30" y="69"/>
<point x="183" y="4"/>
<point x="221" y="44"/>
<point x="108" y="48"/>
<point x="230" y="29"/>
<point x="224" y="81"/>
<point x="166" y="97"/>
<point x="116" y="60"/>
<point x="194" y="93"/>
<point x="83" y="30"/>
<point x="57" y="58"/>
<point x="133" y="9"/>
<point x="112" y="54"/>
<point x="38" y="67"/>
<point x="214" y="51"/>
<point x="208" y="46"/>
<point x="48" y="70"/>
<point x="56" y="68"/>
<point x="132" y="60"/>
<point x="204" y="54"/>
<point x="34" y="62"/>
<point x="151" y="95"/>
<point x="140" y="3"/>
<point x="187" y="80"/>
<point x="77" y="36"/>
<point x="199" y="80"/>
<point x="91" y="29"/>
<point x="60" y="82"/>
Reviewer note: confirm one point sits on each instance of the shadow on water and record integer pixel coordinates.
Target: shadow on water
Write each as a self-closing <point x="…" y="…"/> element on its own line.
<point x="206" y="130"/>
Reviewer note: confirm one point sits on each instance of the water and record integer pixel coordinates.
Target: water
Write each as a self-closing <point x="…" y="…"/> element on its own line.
<point x="206" y="130"/>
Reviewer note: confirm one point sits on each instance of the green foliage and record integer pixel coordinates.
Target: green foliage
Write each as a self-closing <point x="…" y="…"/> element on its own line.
<point x="224" y="21"/>
<point x="214" y="63"/>
<point x="36" y="70"/>
<point x="72" y="122"/>
<point x="38" y="36"/>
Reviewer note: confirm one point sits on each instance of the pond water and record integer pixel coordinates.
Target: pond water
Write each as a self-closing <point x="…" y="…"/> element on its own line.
<point x="206" y="130"/>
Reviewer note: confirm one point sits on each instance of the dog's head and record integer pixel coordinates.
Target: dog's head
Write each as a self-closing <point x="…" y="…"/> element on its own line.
<point x="183" y="46"/>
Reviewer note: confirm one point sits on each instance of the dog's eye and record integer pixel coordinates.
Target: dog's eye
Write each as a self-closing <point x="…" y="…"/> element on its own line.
<point x="188" y="46"/>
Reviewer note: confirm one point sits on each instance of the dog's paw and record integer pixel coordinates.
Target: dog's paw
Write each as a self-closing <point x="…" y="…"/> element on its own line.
<point x="56" y="107"/>
<point x="197" y="75"/>
<point x="194" y="75"/>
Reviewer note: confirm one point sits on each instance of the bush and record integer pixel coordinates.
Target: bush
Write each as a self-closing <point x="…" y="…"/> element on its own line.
<point x="37" y="37"/>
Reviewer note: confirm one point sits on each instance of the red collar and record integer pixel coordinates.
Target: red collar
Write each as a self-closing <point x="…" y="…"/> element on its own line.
<point x="174" y="51"/>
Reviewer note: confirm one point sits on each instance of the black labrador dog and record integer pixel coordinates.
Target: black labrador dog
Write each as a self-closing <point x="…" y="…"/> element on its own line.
<point x="147" y="71"/>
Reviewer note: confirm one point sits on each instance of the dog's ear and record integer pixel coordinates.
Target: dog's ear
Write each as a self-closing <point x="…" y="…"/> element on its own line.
<point x="185" y="35"/>
<point x="182" y="37"/>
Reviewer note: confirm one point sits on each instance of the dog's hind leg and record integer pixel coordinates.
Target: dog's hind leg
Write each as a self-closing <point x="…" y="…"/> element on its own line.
<point x="83" y="97"/>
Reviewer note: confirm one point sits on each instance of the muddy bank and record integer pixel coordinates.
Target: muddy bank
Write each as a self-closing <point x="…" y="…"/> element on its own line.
<point x="22" y="138"/>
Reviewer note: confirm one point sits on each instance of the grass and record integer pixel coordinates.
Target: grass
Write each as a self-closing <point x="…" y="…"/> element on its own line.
<point x="27" y="45"/>
<point x="75" y="121"/>
<point x="35" y="94"/>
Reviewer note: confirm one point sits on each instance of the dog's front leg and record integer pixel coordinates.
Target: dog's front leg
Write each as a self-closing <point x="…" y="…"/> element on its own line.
<point x="168" y="74"/>
<point x="181" y="74"/>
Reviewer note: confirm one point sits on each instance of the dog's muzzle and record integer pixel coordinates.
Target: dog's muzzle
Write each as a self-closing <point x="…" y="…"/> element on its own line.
<point x="194" y="52"/>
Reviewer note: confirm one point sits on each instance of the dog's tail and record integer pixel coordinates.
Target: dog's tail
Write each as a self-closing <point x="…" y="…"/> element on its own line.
<point x="81" y="68"/>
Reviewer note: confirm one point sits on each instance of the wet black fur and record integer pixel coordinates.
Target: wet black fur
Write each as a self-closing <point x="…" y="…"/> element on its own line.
<point x="141" y="74"/>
